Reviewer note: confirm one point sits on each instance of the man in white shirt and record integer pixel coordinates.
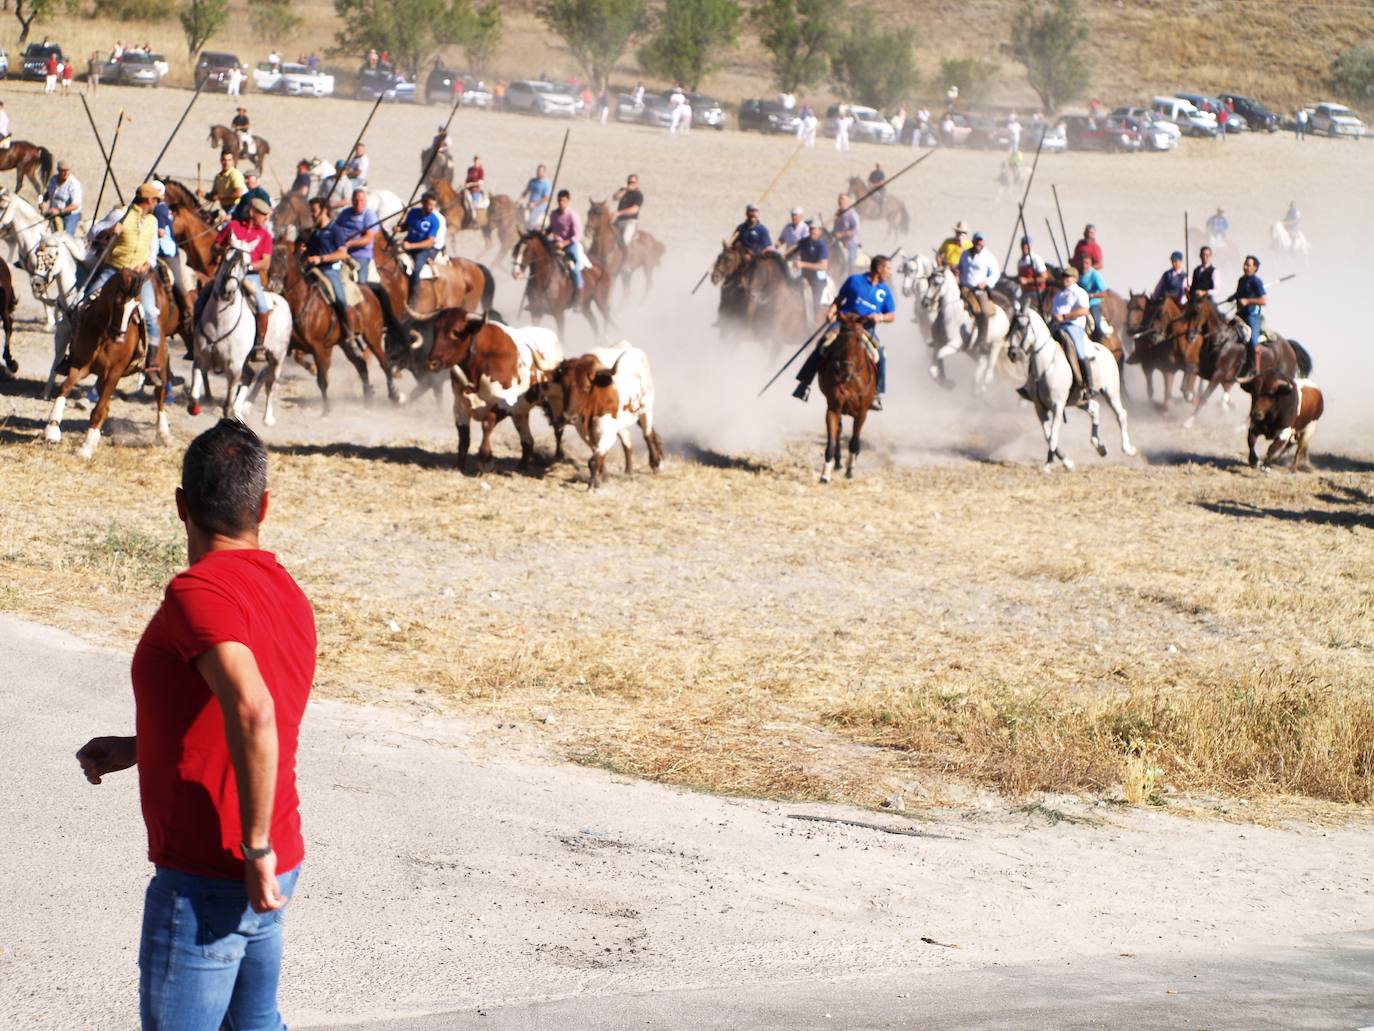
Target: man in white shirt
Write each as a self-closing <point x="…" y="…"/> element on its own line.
<point x="1068" y="312"/>
<point x="978" y="272"/>
<point x="1014" y="132"/>
<point x="793" y="233"/>
<point x="1031" y="271"/>
<point x="357" y="167"/>
<point x="676" y="104"/>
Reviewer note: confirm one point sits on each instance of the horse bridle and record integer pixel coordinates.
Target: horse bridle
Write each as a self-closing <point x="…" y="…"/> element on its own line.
<point x="230" y="268"/>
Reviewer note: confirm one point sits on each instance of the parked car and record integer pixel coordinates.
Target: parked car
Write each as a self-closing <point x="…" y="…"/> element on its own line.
<point x="536" y="97"/>
<point x="1259" y="117"/>
<point x="1159" y="134"/>
<point x="570" y="91"/>
<point x="292" y="80"/>
<point x="160" y="63"/>
<point x="1186" y="115"/>
<point x="1110" y="134"/>
<point x="36" y="60"/>
<point x="988" y="132"/>
<point x="4" y="64"/>
<point x="705" y="110"/>
<point x="1235" y="122"/>
<point x="133" y="69"/>
<point x="1334" y="120"/>
<point x="869" y="126"/>
<point x="476" y="94"/>
<point x="1056" y="138"/>
<point x="767" y="116"/>
<point x="213" y="69"/>
<point x="380" y="82"/>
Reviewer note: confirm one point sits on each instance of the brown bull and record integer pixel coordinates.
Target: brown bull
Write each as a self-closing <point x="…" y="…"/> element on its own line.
<point x="603" y="395"/>
<point x="1285" y="411"/>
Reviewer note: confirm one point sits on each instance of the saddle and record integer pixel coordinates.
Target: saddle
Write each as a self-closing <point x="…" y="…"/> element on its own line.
<point x="1242" y="329"/>
<point x="407" y="264"/>
<point x="833" y="334"/>
<point x="353" y="293"/>
<point x="5" y="143"/>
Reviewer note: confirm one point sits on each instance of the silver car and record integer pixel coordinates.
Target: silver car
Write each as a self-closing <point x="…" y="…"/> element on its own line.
<point x="133" y="69"/>
<point x="536" y="97"/>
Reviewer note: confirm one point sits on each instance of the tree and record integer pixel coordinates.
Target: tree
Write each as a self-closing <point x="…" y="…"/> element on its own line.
<point x="876" y="68"/>
<point x="799" y="34"/>
<point x="972" y="75"/>
<point x="28" y="12"/>
<point x="482" y="36"/>
<point x="690" y="38"/>
<point x="1352" y="75"/>
<point x="412" y="30"/>
<point x="1047" y="42"/>
<point x="596" y="32"/>
<point x="273" y="19"/>
<point x="200" y="20"/>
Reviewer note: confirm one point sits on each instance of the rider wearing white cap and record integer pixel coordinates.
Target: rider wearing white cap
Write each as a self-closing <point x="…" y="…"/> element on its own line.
<point x="794" y="232"/>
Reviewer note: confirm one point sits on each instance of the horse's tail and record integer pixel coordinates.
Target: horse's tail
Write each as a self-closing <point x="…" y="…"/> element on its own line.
<point x="905" y="225"/>
<point x="488" y="286"/>
<point x="45" y="164"/>
<point x="1304" y="359"/>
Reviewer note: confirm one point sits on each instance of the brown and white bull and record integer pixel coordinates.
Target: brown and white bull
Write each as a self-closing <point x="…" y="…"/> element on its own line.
<point x="603" y="394"/>
<point x="496" y="371"/>
<point x="1286" y="412"/>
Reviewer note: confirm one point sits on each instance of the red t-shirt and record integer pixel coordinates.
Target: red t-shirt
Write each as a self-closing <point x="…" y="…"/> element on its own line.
<point x="244" y="232"/>
<point x="185" y="777"/>
<point x="1091" y="249"/>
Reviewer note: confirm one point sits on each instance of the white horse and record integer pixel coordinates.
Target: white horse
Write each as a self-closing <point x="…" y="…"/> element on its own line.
<point x="224" y="337"/>
<point x="953" y="330"/>
<point x="1289" y="243"/>
<point x="383" y="203"/>
<point x="1049" y="382"/>
<point x="49" y="257"/>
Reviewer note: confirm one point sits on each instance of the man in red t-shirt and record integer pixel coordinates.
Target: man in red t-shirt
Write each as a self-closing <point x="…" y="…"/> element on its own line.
<point x="1088" y="246"/>
<point x="221" y="679"/>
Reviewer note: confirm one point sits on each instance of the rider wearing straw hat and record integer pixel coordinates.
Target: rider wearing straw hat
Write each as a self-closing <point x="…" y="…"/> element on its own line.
<point x="953" y="247"/>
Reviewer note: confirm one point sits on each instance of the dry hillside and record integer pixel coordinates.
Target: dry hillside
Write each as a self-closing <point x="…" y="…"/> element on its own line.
<point x="1278" y="51"/>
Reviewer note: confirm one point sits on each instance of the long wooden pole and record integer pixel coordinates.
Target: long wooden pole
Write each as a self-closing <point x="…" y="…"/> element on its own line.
<point x="1025" y="196"/>
<point x="1055" y="189"/>
<point x="553" y="187"/>
<point x="106" y="157"/>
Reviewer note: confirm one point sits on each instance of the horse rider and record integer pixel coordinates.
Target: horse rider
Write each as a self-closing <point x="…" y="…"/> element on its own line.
<point x="301" y="185"/>
<point x="228" y="185"/>
<point x="951" y="250"/>
<point x="752" y="234"/>
<point x="474" y="185"/>
<point x="359" y="225"/>
<point x="1250" y="298"/>
<point x="876" y="179"/>
<point x="62" y="198"/>
<point x="358" y="165"/>
<point x="1173" y="282"/>
<point x="565" y="230"/>
<point x="978" y="274"/>
<point x="1090" y="281"/>
<point x="868" y="295"/>
<point x="251" y="231"/>
<point x="1218" y="226"/>
<point x="813" y="260"/>
<point x="1292" y="217"/>
<point x="1089" y="246"/>
<point x="535" y="198"/>
<point x="325" y="250"/>
<point x="424" y="228"/>
<point x="135" y="242"/>
<point x="240" y="124"/>
<point x="1204" y="276"/>
<point x="629" y="199"/>
<point x="846" y="228"/>
<point x="437" y="161"/>
<point x="1067" y="312"/>
<point x="252" y="190"/>
<point x="793" y="233"/>
<point x="1032" y="274"/>
<point x="338" y="188"/>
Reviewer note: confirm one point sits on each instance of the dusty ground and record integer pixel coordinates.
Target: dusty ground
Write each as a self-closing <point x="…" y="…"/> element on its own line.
<point x="1173" y="627"/>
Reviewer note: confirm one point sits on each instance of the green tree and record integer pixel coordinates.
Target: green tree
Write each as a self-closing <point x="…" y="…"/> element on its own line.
<point x="273" y="19"/>
<point x="1352" y="75"/>
<point x="412" y="30"/>
<point x="200" y="20"/>
<point x="482" y="33"/>
<point x="29" y="11"/>
<point x="799" y="35"/>
<point x="972" y="75"/>
<point x="1048" y="42"/>
<point x="690" y="39"/>
<point x="596" y="32"/>
<point x="876" y="68"/>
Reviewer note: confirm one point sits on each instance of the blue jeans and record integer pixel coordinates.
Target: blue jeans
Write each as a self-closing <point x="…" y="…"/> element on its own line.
<point x="1075" y="333"/>
<point x="335" y="277"/>
<point x="206" y="960"/>
<point x="364" y="268"/>
<point x="71" y="221"/>
<point x="147" y="300"/>
<point x="882" y="369"/>
<point x="574" y="250"/>
<point x="1253" y="314"/>
<point x="421" y="259"/>
<point x="262" y="305"/>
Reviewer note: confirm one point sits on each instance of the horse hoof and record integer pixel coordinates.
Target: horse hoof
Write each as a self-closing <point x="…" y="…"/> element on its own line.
<point x="269" y="420"/>
<point x="1068" y="464"/>
<point x="193" y="408"/>
<point x="1190" y="422"/>
<point x="1047" y="468"/>
<point x="52" y="433"/>
<point x="1129" y="451"/>
<point x="1101" y="448"/>
<point x="11" y="365"/>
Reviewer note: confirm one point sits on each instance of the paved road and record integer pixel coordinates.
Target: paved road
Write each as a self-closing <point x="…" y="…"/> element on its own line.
<point x="454" y="883"/>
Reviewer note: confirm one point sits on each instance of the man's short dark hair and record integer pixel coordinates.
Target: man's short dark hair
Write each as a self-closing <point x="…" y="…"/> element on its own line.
<point x="223" y="478"/>
<point x="226" y="153"/>
<point x="319" y="199"/>
<point x="878" y="260"/>
<point x="564" y="193"/>
<point x="1251" y="257"/>
<point x="428" y="196"/>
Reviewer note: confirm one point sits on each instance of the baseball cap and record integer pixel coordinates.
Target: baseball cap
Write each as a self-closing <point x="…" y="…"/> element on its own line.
<point x="260" y="206"/>
<point x="799" y="210"/>
<point x="148" y="189"/>
<point x="1070" y="272"/>
<point x="1176" y="256"/>
<point x="977" y="237"/>
<point x="751" y="207"/>
<point x="62" y="166"/>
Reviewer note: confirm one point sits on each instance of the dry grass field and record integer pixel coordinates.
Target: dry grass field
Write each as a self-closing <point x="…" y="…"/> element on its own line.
<point x="1174" y="628"/>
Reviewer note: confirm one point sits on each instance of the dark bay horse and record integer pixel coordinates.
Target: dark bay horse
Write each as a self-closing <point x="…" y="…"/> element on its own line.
<point x="758" y="295"/>
<point x="849" y="380"/>
<point x="1221" y="353"/>
<point x="1158" y="329"/>
<point x="890" y="209"/>
<point x="27" y="159"/>
<point x="222" y="137"/>
<point x="110" y="340"/>
<point x="8" y="300"/>
<point x="549" y="290"/>
<point x="603" y="247"/>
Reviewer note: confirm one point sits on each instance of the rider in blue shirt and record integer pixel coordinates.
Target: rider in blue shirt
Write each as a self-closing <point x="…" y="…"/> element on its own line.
<point x="422" y="226"/>
<point x="359" y="225"/>
<point x="869" y="295"/>
<point x="326" y="248"/>
<point x="1250" y="300"/>
<point x="1091" y="282"/>
<point x="752" y="233"/>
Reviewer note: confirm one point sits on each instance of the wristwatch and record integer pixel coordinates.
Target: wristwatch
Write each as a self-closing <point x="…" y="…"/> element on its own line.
<point x="250" y="853"/>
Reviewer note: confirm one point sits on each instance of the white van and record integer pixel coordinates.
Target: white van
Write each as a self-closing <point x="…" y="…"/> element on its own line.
<point x="1185" y="115"/>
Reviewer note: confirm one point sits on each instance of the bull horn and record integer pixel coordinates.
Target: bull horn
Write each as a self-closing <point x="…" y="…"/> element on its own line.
<point x="619" y="358"/>
<point x="541" y="363"/>
<point x="460" y="376"/>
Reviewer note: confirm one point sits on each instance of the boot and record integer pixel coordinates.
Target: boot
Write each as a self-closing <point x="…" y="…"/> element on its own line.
<point x="877" y="405"/>
<point x="1089" y="388"/>
<point x="259" y="353"/>
<point x="350" y="342"/>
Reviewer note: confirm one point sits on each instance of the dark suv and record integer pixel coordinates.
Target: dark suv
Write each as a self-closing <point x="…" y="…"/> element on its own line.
<point x="1256" y="115"/>
<point x="213" y="69"/>
<point x="767" y="116"/>
<point x="36" y="60"/>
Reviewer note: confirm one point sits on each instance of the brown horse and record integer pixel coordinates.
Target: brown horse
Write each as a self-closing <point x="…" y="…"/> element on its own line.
<point x="758" y="295"/>
<point x="457" y="283"/>
<point x="890" y="209"/>
<point x="849" y="380"/>
<point x="193" y="228"/>
<point x="603" y="247"/>
<point x="315" y="328"/>
<point x="8" y="300"/>
<point x="1221" y="353"/>
<point x="110" y="340"/>
<point x="730" y="272"/>
<point x="1159" y="330"/>
<point x="291" y="210"/>
<point x="25" y="157"/>
<point x="224" y="138"/>
<point x="501" y="218"/>
<point x="550" y="288"/>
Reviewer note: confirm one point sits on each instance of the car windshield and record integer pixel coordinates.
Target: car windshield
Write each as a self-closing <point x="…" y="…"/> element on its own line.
<point x="541" y="87"/>
<point x="771" y="107"/>
<point x="296" y="69"/>
<point x="1338" y="111"/>
<point x="137" y="59"/>
<point x="39" y="50"/>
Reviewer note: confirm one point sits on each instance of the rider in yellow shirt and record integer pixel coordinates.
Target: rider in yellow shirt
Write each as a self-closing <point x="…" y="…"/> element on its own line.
<point x="954" y="246"/>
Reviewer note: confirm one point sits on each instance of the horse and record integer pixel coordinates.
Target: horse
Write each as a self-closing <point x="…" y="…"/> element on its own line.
<point x="1049" y="383"/>
<point x="315" y="329"/>
<point x="644" y="253"/>
<point x="194" y="227"/>
<point x="730" y="272"/>
<point x="502" y="216"/>
<point x="224" y="337"/>
<point x="110" y="340"/>
<point x="24" y="157"/>
<point x="1159" y="329"/>
<point x="222" y="137"/>
<point x="953" y="330"/>
<point x="1289" y="243"/>
<point x="9" y="299"/>
<point x="758" y="294"/>
<point x="890" y="209"/>
<point x="52" y="275"/>
<point x="849" y="380"/>
<point x="549" y="290"/>
<point x="456" y="283"/>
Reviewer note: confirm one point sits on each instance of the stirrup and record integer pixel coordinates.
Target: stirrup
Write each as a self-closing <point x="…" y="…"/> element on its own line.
<point x="802" y="393"/>
<point x="258" y="353"/>
<point x="877" y="404"/>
